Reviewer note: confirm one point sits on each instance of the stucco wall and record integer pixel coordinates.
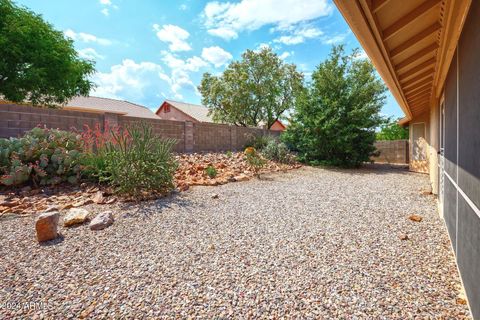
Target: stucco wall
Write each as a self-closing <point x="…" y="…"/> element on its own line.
<point x="461" y="196"/>
<point x="174" y="114"/>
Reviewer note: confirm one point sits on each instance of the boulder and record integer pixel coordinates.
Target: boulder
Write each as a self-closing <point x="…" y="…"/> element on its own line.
<point x="75" y="216"/>
<point x="102" y="221"/>
<point x="46" y="226"/>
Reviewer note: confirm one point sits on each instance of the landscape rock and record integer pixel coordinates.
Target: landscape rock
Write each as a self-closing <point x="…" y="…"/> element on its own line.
<point x="241" y="177"/>
<point x="415" y="217"/>
<point x="102" y="221"/>
<point x="46" y="226"/>
<point x="98" y="198"/>
<point x="403" y="237"/>
<point x="75" y="216"/>
<point x="214" y="196"/>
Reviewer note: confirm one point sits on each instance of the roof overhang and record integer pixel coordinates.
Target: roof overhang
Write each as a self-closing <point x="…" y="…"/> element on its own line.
<point x="411" y="43"/>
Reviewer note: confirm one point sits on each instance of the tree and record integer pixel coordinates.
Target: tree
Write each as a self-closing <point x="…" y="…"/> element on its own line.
<point x="391" y="130"/>
<point x="335" y="120"/>
<point x="258" y="89"/>
<point x="37" y="63"/>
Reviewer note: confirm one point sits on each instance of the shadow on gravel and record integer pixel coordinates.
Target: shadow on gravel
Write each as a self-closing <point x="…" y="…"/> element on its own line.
<point x="11" y="216"/>
<point x="148" y="209"/>
<point x="372" y="168"/>
<point x="54" y="242"/>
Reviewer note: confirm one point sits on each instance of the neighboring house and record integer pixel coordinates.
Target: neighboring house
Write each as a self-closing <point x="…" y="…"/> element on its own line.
<point x="181" y="111"/>
<point x="106" y="105"/>
<point x="427" y="51"/>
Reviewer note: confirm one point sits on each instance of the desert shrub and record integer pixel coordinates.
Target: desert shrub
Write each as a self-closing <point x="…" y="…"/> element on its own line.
<point x="229" y="154"/>
<point x="137" y="162"/>
<point x="211" y="172"/>
<point x="277" y="151"/>
<point x="258" y="142"/>
<point x="42" y="157"/>
<point x="254" y="160"/>
<point x="95" y="140"/>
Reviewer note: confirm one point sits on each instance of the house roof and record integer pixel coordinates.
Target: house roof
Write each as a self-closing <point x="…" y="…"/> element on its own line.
<point x="97" y="104"/>
<point x="198" y="112"/>
<point x="411" y="44"/>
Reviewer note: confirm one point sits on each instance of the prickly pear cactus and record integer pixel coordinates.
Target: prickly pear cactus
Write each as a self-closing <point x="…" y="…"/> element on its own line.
<point x="41" y="156"/>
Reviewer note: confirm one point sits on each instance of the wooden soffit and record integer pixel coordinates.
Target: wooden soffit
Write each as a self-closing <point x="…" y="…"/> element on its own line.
<point x="410" y="42"/>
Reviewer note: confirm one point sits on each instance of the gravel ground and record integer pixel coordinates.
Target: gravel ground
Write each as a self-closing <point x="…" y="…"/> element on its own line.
<point x="310" y="243"/>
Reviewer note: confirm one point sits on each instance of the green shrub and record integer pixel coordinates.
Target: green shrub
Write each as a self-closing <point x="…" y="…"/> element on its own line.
<point x="258" y="142"/>
<point x="334" y="121"/>
<point x="277" y="151"/>
<point x="41" y="157"/>
<point x="211" y="171"/>
<point x="229" y="154"/>
<point x="137" y="161"/>
<point x="255" y="161"/>
<point x="391" y="130"/>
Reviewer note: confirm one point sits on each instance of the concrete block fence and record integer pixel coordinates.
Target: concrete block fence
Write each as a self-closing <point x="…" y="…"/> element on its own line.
<point x="15" y="120"/>
<point x="392" y="151"/>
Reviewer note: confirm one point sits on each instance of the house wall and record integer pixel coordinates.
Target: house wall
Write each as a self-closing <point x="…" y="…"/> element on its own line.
<point x="174" y="114"/>
<point x="461" y="174"/>
<point x="419" y="146"/>
<point x="277" y="126"/>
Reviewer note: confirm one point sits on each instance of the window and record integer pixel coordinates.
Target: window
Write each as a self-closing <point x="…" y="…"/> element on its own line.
<point x="167" y="108"/>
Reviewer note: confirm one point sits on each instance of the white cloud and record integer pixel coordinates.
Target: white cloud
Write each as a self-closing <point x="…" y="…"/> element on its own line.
<point x="90" y="53"/>
<point x="297" y="35"/>
<point x="224" y="33"/>
<point x="107" y="4"/>
<point x="339" y="38"/>
<point x="173" y="35"/>
<point x="227" y="19"/>
<point x="216" y="56"/>
<point x="179" y="78"/>
<point x="191" y="64"/>
<point x="128" y="80"/>
<point x="183" y="7"/>
<point x="286" y="54"/>
<point x="86" y="37"/>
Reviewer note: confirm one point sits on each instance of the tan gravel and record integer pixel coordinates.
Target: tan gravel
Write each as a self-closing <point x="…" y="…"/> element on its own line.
<point x="310" y="243"/>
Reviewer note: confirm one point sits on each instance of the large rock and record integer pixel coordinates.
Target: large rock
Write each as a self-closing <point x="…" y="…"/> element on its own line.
<point x="75" y="216"/>
<point x="102" y="221"/>
<point x="46" y="226"/>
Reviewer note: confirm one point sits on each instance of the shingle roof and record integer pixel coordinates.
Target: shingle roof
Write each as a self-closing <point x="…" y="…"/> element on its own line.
<point x="195" y="111"/>
<point x="110" y="105"/>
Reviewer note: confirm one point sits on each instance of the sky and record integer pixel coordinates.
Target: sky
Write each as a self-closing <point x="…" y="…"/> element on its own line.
<point x="151" y="50"/>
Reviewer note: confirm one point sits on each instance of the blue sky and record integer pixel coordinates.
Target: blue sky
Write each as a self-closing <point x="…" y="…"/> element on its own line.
<point x="150" y="50"/>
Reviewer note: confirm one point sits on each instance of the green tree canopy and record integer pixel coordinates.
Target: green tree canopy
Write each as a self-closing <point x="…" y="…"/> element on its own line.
<point x="37" y="63"/>
<point x="391" y="130"/>
<point x="258" y="89"/>
<point x="335" y="121"/>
